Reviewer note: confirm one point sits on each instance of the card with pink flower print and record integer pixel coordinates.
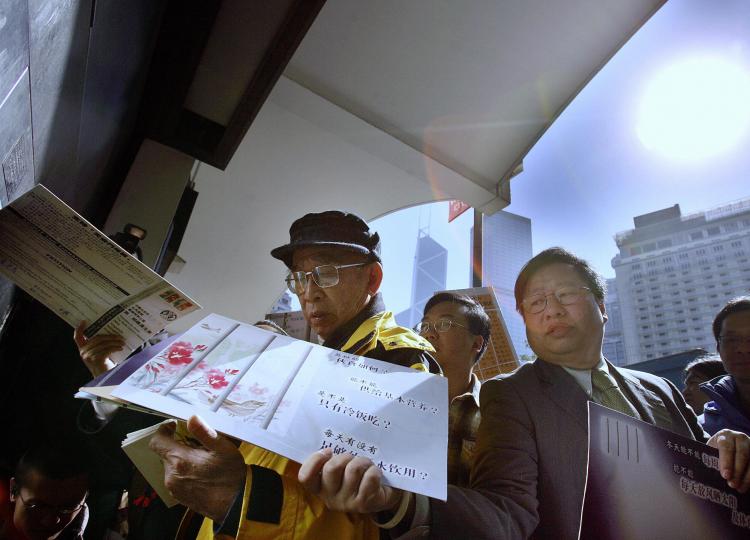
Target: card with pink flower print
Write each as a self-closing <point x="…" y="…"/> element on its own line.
<point x="294" y="398"/>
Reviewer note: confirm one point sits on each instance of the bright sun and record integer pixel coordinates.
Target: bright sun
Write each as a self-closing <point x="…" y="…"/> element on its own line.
<point x="696" y="109"/>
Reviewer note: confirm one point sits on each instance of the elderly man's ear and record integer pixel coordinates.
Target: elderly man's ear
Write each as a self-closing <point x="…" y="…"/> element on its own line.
<point x="375" y="278"/>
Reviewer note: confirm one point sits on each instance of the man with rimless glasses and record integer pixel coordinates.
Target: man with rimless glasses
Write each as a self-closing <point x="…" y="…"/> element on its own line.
<point x="335" y="269"/>
<point x="730" y="394"/>
<point x="47" y="496"/>
<point x="459" y="329"/>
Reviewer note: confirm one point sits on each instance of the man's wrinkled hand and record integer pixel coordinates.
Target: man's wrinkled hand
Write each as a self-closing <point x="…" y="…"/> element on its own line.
<point x="734" y="458"/>
<point x="347" y="483"/>
<point x="205" y="479"/>
<point x="95" y="352"/>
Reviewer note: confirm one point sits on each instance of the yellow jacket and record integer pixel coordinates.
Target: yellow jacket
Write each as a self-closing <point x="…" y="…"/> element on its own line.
<point x="281" y="508"/>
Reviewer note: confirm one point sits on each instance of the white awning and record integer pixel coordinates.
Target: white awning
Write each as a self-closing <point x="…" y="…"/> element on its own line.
<point x="387" y="104"/>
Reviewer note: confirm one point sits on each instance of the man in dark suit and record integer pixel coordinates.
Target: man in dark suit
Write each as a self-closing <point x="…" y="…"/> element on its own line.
<point x="529" y="472"/>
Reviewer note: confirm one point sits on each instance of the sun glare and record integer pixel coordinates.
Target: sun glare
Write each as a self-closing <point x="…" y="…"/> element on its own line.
<point x="695" y="109"/>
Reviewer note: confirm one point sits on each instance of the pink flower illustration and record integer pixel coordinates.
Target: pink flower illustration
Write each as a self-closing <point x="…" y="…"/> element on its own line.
<point x="257" y="390"/>
<point x="216" y="379"/>
<point x="180" y="353"/>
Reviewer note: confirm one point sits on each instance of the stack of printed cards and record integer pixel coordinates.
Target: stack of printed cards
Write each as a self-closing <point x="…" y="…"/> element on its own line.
<point x="147" y="461"/>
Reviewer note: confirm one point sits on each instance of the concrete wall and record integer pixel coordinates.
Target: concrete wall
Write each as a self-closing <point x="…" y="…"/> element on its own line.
<point x="150" y="195"/>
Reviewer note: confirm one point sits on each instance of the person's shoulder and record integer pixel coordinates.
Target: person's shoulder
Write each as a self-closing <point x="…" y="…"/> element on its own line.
<point x="640" y="375"/>
<point x="521" y="373"/>
<point x="403" y="346"/>
<point x="400" y="337"/>
<point x="521" y="377"/>
<point x="713" y="418"/>
<point x="649" y="380"/>
<point x="415" y="358"/>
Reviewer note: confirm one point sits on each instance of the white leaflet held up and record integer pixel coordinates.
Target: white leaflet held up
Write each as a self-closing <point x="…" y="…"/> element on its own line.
<point x="64" y="262"/>
<point x="294" y="398"/>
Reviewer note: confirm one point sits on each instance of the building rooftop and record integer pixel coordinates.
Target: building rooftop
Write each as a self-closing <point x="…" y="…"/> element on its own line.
<point x="658" y="216"/>
<point x="668" y="220"/>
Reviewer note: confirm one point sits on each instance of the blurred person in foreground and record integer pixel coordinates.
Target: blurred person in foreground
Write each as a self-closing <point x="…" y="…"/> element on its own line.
<point x="729" y="405"/>
<point x="529" y="470"/>
<point x="696" y="373"/>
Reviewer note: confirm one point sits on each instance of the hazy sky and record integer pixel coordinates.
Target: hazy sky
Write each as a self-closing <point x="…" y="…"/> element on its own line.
<point x="591" y="173"/>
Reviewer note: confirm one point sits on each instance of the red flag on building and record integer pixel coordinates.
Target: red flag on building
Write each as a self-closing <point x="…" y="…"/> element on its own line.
<point x="455" y="209"/>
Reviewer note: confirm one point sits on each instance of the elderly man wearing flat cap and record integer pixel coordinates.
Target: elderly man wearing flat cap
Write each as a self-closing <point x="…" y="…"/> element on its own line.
<point x="335" y="269"/>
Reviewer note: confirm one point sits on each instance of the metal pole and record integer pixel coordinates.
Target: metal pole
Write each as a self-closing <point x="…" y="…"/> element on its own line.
<point x="476" y="255"/>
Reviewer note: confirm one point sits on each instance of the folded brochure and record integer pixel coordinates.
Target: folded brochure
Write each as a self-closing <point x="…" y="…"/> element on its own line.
<point x="294" y="398"/>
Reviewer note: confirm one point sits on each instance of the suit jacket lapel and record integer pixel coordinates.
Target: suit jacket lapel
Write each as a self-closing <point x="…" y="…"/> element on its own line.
<point x="649" y="405"/>
<point x="564" y="391"/>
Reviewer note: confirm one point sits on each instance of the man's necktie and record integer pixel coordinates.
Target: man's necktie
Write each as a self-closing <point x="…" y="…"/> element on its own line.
<point x="607" y="393"/>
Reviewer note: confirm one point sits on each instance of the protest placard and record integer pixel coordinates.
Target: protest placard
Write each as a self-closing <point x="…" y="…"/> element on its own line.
<point x="647" y="482"/>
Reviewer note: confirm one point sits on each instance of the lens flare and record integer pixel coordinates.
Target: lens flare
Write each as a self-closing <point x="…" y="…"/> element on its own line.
<point x="695" y="109"/>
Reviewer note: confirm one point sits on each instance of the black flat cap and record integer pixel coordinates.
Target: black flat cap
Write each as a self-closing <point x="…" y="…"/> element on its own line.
<point x="332" y="228"/>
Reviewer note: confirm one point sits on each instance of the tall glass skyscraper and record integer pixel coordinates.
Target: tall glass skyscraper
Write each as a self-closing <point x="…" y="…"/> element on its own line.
<point x="430" y="275"/>
<point x="506" y="247"/>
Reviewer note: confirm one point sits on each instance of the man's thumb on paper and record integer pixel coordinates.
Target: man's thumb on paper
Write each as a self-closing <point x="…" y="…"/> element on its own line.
<point x="205" y="434"/>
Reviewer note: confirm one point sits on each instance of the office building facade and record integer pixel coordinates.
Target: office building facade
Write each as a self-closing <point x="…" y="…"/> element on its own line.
<point x="674" y="273"/>
<point x="613" y="346"/>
